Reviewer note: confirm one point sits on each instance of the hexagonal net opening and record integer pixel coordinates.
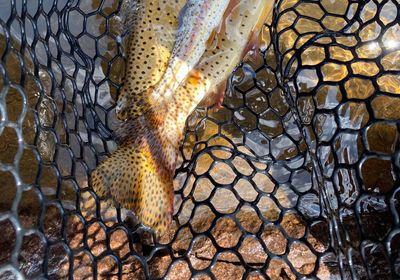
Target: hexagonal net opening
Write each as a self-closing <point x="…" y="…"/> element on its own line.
<point x="297" y="175"/>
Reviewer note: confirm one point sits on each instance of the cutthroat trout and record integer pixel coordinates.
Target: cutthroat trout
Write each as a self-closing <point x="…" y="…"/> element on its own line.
<point x="151" y="27"/>
<point x="200" y="20"/>
<point x="139" y="174"/>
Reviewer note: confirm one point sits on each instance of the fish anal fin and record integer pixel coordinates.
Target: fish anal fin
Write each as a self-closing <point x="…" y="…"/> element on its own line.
<point x="219" y="97"/>
<point x="215" y="97"/>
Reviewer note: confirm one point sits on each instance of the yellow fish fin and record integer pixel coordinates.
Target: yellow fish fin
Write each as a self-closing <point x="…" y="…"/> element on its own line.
<point x="211" y="40"/>
<point x="135" y="178"/>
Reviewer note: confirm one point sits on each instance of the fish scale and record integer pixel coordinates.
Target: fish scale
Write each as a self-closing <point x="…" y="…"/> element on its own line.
<point x="152" y="27"/>
<point x="139" y="174"/>
<point x="199" y="20"/>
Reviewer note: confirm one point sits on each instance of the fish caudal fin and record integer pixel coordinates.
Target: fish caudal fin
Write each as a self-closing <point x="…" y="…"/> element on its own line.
<point x="134" y="178"/>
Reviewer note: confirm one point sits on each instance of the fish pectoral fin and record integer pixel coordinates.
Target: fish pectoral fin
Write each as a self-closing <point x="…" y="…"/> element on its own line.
<point x="219" y="97"/>
<point x="210" y="43"/>
<point x="253" y="45"/>
<point x="215" y="97"/>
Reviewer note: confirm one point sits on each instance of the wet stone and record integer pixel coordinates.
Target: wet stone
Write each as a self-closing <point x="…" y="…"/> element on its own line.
<point x="328" y="97"/>
<point x="353" y="115"/>
<point x="286" y="196"/>
<point x="386" y="107"/>
<point x="347" y="147"/>
<point x="302" y="258"/>
<point x="307" y="80"/>
<point x="248" y="219"/>
<point x="325" y="126"/>
<point x="283" y="148"/>
<point x="263" y="182"/>
<point x="309" y="206"/>
<point x="253" y="252"/>
<point x="317" y="236"/>
<point x="268" y="208"/>
<point x="270" y="124"/>
<point x="274" y="240"/>
<point x="224" y="201"/>
<point x="347" y="185"/>
<point x="293" y="225"/>
<point x="377" y="174"/>
<point x="245" y="190"/>
<point x="256" y="101"/>
<point x="382" y="137"/>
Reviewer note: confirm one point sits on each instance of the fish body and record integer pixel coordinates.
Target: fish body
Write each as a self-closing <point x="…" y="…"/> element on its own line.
<point x="240" y="33"/>
<point x="199" y="21"/>
<point x="151" y="26"/>
<point x="139" y="174"/>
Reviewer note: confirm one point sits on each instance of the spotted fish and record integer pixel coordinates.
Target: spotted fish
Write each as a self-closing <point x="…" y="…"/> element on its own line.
<point x="151" y="27"/>
<point x="198" y="23"/>
<point x="139" y="174"/>
<point x="200" y="20"/>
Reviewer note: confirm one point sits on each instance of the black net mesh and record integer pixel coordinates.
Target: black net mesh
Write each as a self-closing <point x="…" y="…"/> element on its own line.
<point x="297" y="176"/>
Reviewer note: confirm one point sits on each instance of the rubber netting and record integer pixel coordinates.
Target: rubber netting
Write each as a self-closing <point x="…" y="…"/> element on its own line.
<point x="296" y="177"/>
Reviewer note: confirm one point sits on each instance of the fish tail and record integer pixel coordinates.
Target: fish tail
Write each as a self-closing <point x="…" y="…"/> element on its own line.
<point x="139" y="176"/>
